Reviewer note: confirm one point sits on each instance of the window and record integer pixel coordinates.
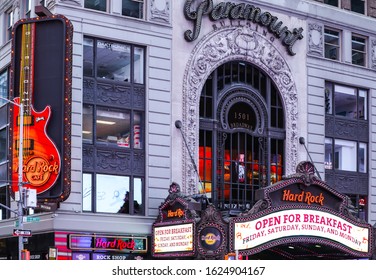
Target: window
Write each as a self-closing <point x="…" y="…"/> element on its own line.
<point x="331" y="2"/>
<point x="99" y="5"/>
<point x="332" y="44"/>
<point x="112" y="194"/>
<point x="3" y="146"/>
<point x="345" y="101"/>
<point x="133" y="8"/>
<point x="10" y="23"/>
<point x="358" y="6"/>
<point x="3" y="87"/>
<point x="28" y="8"/>
<point x="113" y="127"/>
<point x="114" y="61"/>
<point x="358" y="48"/>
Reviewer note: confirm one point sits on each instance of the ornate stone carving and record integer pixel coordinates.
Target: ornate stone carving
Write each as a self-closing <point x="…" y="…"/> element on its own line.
<point x="315" y="39"/>
<point x="223" y="45"/>
<point x="373" y="54"/>
<point x="160" y="10"/>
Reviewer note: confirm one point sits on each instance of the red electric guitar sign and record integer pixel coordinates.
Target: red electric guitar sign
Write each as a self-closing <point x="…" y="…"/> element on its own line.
<point x="41" y="159"/>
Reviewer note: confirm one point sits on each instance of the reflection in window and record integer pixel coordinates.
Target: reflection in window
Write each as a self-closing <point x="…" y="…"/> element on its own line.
<point x="345" y="155"/>
<point x="358" y="50"/>
<point x="345" y="101"/>
<point x="362" y="157"/>
<point x="3" y="87"/>
<point x="99" y="5"/>
<point x="10" y="22"/>
<point x="138" y="71"/>
<point x="110" y="192"/>
<point x="87" y="124"/>
<point x="87" y="195"/>
<point x="332" y="44"/>
<point x="88" y="57"/>
<point x="113" y="61"/>
<point x="328" y="153"/>
<point x="133" y="8"/>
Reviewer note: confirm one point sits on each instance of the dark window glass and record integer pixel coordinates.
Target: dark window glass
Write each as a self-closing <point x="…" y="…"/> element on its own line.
<point x="99" y="5"/>
<point x="3" y="87"/>
<point x="3" y="146"/>
<point x="358" y="6"/>
<point x="331" y="2"/>
<point x="133" y="8"/>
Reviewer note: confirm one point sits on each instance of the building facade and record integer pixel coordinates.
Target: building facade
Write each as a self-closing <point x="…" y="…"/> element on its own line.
<point x="223" y="97"/>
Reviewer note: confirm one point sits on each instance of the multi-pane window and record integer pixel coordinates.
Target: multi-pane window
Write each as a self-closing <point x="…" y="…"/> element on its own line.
<point x="345" y="155"/>
<point x="113" y="124"/>
<point x="10" y="23"/>
<point x="133" y="8"/>
<point x="358" y="50"/>
<point x="345" y="101"/>
<point x="3" y="87"/>
<point x="332" y="44"/>
<point x="99" y="5"/>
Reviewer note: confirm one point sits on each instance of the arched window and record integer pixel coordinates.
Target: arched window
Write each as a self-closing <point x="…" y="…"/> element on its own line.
<point x="242" y="133"/>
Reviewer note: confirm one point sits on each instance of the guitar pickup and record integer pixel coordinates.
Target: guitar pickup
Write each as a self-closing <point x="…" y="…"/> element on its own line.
<point x="28" y="144"/>
<point x="27" y="120"/>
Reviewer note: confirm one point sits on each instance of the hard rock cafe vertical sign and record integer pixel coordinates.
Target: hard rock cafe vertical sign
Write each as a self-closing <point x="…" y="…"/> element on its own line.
<point x="41" y="85"/>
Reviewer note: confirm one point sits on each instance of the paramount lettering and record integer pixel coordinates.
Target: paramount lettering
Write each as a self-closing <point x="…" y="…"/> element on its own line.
<point x="241" y="11"/>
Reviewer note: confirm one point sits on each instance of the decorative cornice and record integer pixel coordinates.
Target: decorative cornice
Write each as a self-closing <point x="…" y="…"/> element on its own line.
<point x="220" y="46"/>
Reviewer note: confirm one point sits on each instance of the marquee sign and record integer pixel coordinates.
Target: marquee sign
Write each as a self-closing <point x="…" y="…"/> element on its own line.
<point x="300" y="222"/>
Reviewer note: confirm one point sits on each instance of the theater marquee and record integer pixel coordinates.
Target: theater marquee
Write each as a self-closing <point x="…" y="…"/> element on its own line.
<point x="300" y="222"/>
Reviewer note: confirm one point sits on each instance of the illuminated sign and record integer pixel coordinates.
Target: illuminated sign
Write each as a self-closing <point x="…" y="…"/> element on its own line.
<point x="107" y="243"/>
<point x="300" y="222"/>
<point x="173" y="238"/>
<point x="303" y="196"/>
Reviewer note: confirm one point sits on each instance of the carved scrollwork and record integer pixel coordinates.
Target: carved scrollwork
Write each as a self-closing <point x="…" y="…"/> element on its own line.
<point x="227" y="44"/>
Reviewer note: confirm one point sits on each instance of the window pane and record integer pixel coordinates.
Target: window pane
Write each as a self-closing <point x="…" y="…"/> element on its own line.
<point x="87" y="124"/>
<point x="358" y="50"/>
<point x="113" y="61"/>
<point x="88" y="57"/>
<point x="133" y="8"/>
<point x="99" y="5"/>
<point x="138" y="200"/>
<point x="362" y="107"/>
<point x="345" y="155"/>
<point x="328" y="98"/>
<point x="331" y="44"/>
<point x="113" y="127"/>
<point x="3" y="145"/>
<point x="138" y="65"/>
<point x="87" y="195"/>
<point x="345" y="101"/>
<point x="328" y="153"/>
<point x="357" y="6"/>
<point x="362" y="157"/>
<point x="331" y="2"/>
<point x="3" y="87"/>
<point x="111" y="192"/>
<point x="137" y="133"/>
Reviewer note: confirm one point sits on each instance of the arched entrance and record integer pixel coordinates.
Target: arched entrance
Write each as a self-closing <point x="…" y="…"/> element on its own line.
<point x="241" y="135"/>
<point x="216" y="50"/>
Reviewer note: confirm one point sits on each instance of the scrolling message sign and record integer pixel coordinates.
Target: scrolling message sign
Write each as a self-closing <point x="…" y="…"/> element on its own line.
<point x="300" y="222"/>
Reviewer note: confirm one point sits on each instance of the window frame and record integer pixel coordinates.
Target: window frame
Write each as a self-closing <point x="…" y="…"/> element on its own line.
<point x="355" y="51"/>
<point x="133" y="108"/>
<point x="330" y="45"/>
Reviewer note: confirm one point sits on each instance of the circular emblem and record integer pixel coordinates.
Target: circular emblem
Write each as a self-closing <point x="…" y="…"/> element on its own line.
<point x="37" y="171"/>
<point x="210" y="238"/>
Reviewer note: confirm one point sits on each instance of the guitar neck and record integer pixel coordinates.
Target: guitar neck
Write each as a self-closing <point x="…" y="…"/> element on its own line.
<point x="27" y="67"/>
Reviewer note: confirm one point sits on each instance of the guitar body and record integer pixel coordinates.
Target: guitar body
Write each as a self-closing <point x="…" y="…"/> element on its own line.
<point x="41" y="158"/>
